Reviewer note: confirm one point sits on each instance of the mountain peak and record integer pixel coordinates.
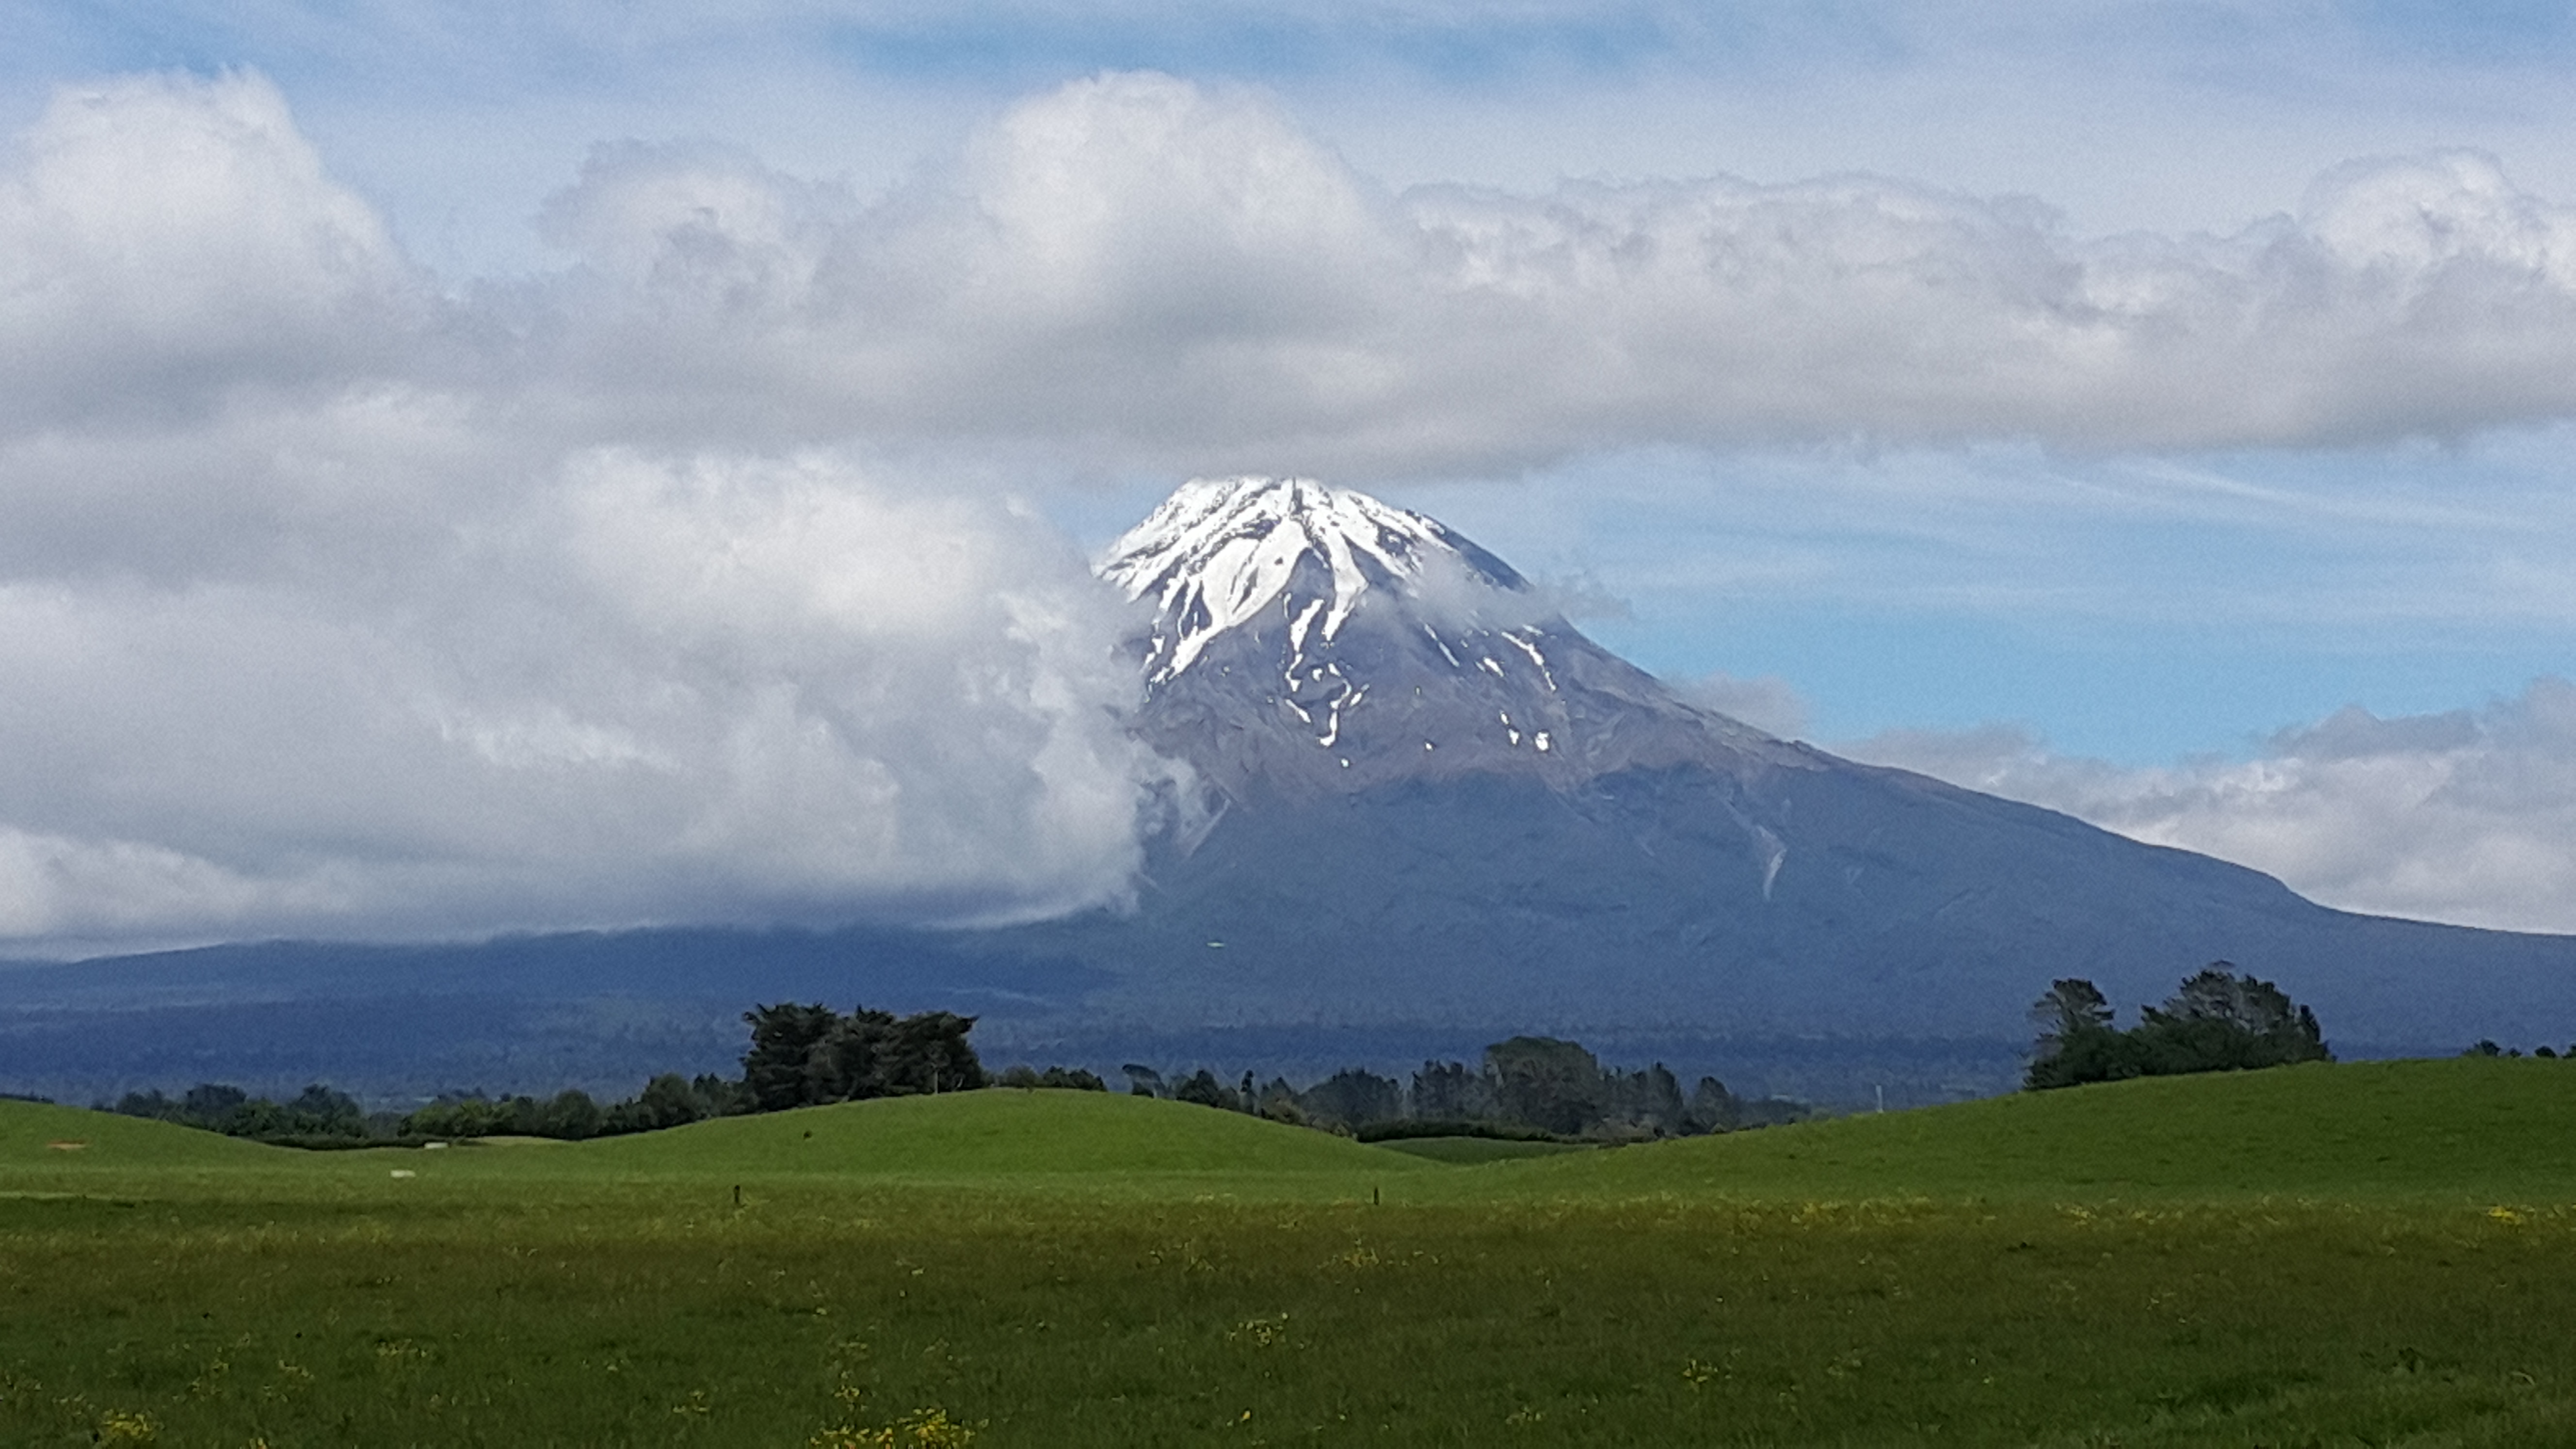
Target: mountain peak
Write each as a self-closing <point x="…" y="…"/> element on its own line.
<point x="1308" y="639"/>
<point x="1221" y="552"/>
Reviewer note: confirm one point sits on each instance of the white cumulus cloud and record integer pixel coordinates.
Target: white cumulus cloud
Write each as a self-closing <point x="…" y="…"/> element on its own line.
<point x="647" y="689"/>
<point x="164" y="242"/>
<point x="1157" y="273"/>
<point x="323" y="610"/>
<point x="677" y="582"/>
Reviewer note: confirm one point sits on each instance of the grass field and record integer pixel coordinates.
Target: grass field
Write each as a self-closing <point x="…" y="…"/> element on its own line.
<point x="2378" y="1253"/>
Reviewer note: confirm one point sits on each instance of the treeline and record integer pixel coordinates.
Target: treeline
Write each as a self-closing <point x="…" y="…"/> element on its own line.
<point x="800" y="1056"/>
<point x="573" y="1115"/>
<point x="2486" y="1047"/>
<point x="1527" y="1087"/>
<point x="2219" y="1021"/>
<point x="322" y="1117"/>
<point x="318" y="1116"/>
<point x="804" y="1055"/>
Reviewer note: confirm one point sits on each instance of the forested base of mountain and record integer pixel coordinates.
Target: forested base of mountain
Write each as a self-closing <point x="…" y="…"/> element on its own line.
<point x="400" y="1025"/>
<point x="390" y="1051"/>
<point x="404" y="1050"/>
<point x="1847" y="1073"/>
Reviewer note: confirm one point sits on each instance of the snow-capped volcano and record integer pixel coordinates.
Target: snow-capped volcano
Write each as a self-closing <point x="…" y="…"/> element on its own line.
<point x="1437" y="801"/>
<point x="1443" y="815"/>
<point x="1222" y="553"/>
<point x="1311" y="638"/>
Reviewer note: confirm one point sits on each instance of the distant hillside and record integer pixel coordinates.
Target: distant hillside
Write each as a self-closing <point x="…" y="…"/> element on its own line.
<point x="2474" y="1131"/>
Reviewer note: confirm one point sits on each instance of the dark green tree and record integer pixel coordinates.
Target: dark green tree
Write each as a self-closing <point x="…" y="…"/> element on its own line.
<point x="2093" y="1056"/>
<point x="854" y="1060"/>
<point x="1202" y="1088"/>
<point x="154" y="1104"/>
<point x="255" y="1117"/>
<point x="776" y="1070"/>
<point x="1029" y="1078"/>
<point x="2071" y="1008"/>
<point x="721" y="1098"/>
<point x="1453" y="1092"/>
<point x="1712" y="1108"/>
<point x="319" y="1111"/>
<point x="208" y="1104"/>
<point x="1277" y="1101"/>
<point x="667" y="1101"/>
<point x="1353" y="1098"/>
<point x="2076" y="1041"/>
<point x="1648" y="1101"/>
<point x="927" y="1052"/>
<point x="1550" y="1084"/>
<point x="571" y="1114"/>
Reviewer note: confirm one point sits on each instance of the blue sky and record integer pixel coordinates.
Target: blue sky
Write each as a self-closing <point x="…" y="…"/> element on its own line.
<point x="2086" y="401"/>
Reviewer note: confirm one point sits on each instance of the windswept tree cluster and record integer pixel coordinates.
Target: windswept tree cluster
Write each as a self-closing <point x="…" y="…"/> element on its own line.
<point x="1529" y="1086"/>
<point x="2219" y="1021"/>
<point x="807" y="1056"/>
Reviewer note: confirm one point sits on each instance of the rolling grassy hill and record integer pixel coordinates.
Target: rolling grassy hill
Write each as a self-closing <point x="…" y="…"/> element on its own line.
<point x="1051" y="1139"/>
<point x="2379" y="1253"/>
<point x="37" y="1138"/>
<point x="2464" y="1130"/>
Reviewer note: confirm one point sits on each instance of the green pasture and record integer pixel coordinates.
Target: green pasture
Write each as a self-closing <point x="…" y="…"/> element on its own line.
<point x="2379" y="1253"/>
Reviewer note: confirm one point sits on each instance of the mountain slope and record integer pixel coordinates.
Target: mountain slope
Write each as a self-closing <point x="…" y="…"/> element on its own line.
<point x="1435" y="800"/>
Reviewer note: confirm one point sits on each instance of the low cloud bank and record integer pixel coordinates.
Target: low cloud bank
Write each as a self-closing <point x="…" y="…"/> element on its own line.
<point x="642" y="690"/>
<point x="2462" y="817"/>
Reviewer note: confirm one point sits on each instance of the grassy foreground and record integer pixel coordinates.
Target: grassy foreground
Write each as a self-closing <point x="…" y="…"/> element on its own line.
<point x="2360" y="1254"/>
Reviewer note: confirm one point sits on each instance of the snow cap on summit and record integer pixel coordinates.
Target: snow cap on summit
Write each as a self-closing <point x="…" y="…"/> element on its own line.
<point x="1308" y="641"/>
<point x="1220" y="551"/>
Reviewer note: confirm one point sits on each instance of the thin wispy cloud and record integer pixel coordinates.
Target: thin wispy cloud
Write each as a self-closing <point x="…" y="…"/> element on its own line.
<point x="2462" y="816"/>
